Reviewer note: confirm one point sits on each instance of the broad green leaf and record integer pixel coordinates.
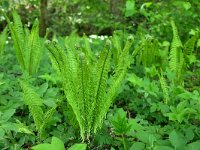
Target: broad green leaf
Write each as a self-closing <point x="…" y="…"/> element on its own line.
<point x="186" y="5"/>
<point x="177" y="140"/>
<point x="148" y="4"/>
<point x="163" y="148"/>
<point x="58" y="143"/>
<point x="7" y="115"/>
<point x="9" y="126"/>
<point x="146" y="137"/>
<point x="134" y="125"/>
<point x="43" y="147"/>
<point x="130" y="8"/>
<point x="42" y="89"/>
<point x="78" y="147"/>
<point x="194" y="146"/>
<point x="138" y="146"/>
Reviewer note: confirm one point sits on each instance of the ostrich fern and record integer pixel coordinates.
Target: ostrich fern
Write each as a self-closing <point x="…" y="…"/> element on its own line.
<point x="164" y="87"/>
<point x="176" y="54"/>
<point x="27" y="43"/>
<point x="179" y="54"/>
<point x="189" y="47"/>
<point x="85" y="82"/>
<point x="148" y="47"/>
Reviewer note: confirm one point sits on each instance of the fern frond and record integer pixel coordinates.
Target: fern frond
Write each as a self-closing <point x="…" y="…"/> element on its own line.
<point x="176" y="55"/>
<point x="27" y="44"/>
<point x="35" y="49"/>
<point x="17" y="34"/>
<point x="124" y="57"/>
<point x="101" y="82"/>
<point x="47" y="118"/>
<point x="120" y="71"/>
<point x="68" y="70"/>
<point x="117" y="48"/>
<point x="189" y="47"/>
<point x="176" y="42"/>
<point x="34" y="103"/>
<point x="164" y="87"/>
<point x="87" y="49"/>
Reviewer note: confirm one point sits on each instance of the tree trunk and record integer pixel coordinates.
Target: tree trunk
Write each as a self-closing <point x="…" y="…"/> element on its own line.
<point x="43" y="12"/>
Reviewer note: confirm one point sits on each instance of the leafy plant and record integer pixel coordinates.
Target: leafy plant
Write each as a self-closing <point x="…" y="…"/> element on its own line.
<point x="35" y="103"/>
<point x="27" y="44"/>
<point x="56" y="143"/>
<point x="121" y="125"/>
<point x="85" y="83"/>
<point x="179" y="54"/>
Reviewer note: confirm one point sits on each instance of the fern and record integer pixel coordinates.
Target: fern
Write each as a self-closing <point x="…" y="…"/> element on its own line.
<point x="189" y="47"/>
<point x="148" y="52"/>
<point x="164" y="87"/>
<point x="85" y="82"/>
<point x="27" y="44"/>
<point x="35" y="104"/>
<point x="117" y="48"/>
<point x="176" y="54"/>
<point x="3" y="38"/>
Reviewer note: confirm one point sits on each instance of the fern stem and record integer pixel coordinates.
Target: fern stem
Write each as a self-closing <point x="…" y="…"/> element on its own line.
<point x="124" y="144"/>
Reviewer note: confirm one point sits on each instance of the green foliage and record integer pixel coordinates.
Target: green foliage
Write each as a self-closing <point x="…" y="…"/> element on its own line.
<point x="85" y="83"/>
<point x="164" y="87"/>
<point x="3" y="38"/>
<point x="120" y="123"/>
<point x="148" y="47"/>
<point x="176" y="54"/>
<point x="56" y="143"/>
<point x="155" y="107"/>
<point x="27" y="44"/>
<point x="130" y="8"/>
<point x="35" y="103"/>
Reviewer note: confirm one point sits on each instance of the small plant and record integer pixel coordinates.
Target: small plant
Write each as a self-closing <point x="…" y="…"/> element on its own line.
<point x="85" y="82"/>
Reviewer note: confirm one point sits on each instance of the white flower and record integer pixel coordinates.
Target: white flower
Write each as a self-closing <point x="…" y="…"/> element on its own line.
<point x="93" y="36"/>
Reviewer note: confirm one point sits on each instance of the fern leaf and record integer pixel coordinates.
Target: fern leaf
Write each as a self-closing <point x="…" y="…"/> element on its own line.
<point x="47" y="117"/>
<point x="17" y="34"/>
<point x="164" y="87"/>
<point x="176" y="55"/>
<point x="35" y="49"/>
<point x="101" y="82"/>
<point x="189" y="46"/>
<point x="34" y="103"/>
<point x="69" y="76"/>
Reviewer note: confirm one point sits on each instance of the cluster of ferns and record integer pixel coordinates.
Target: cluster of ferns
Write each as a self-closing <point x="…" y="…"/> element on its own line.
<point x="86" y="77"/>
